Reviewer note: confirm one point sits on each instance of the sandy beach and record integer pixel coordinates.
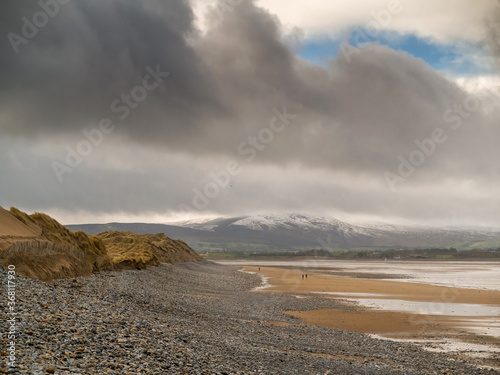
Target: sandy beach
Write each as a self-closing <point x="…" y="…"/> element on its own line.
<point x="447" y="325"/>
<point x="289" y="281"/>
<point x="197" y="318"/>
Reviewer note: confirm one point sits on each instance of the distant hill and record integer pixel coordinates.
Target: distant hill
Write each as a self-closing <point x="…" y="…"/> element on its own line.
<point x="298" y="231"/>
<point x="42" y="248"/>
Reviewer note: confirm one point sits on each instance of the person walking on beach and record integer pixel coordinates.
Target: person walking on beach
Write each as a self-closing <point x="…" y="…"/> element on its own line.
<point x="306" y="275"/>
<point x="302" y="276"/>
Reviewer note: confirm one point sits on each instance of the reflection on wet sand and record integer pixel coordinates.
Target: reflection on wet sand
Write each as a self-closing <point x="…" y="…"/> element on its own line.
<point x="441" y="316"/>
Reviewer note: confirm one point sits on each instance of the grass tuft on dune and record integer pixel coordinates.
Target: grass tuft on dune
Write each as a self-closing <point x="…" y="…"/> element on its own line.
<point x="131" y="250"/>
<point x="52" y="251"/>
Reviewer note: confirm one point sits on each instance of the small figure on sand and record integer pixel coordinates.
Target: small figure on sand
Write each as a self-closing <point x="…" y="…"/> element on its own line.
<point x="302" y="276"/>
<point x="259" y="268"/>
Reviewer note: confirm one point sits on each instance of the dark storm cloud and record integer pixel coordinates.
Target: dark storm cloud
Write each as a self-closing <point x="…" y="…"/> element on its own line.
<point x="356" y="115"/>
<point x="492" y="40"/>
<point x="222" y="86"/>
<point x="89" y="54"/>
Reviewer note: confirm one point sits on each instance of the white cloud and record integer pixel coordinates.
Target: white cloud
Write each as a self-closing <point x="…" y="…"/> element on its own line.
<point x="444" y="21"/>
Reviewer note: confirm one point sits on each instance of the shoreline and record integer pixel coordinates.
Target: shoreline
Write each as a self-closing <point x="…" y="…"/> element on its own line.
<point x="196" y="318"/>
<point x="429" y="328"/>
<point x="289" y="281"/>
<point x="357" y="260"/>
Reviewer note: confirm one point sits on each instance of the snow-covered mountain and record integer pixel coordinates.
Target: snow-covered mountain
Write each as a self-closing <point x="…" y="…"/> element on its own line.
<point x="290" y="231"/>
<point x="307" y="230"/>
<point x="207" y="224"/>
<point x="288" y="221"/>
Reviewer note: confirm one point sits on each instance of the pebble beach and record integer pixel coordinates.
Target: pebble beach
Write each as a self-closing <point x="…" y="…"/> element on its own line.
<point x="192" y="318"/>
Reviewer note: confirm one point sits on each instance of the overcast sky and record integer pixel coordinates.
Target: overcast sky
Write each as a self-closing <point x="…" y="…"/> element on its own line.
<point x="156" y="111"/>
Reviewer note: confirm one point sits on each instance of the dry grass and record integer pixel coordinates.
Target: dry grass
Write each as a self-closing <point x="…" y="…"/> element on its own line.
<point x="47" y="261"/>
<point x="57" y="252"/>
<point x="131" y="250"/>
<point x="10" y="226"/>
<point x="53" y="231"/>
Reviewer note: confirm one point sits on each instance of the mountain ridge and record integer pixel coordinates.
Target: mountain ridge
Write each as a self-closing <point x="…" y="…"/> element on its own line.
<point x="292" y="231"/>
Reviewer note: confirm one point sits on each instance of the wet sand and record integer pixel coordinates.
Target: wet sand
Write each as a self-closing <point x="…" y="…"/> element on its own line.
<point x="284" y="280"/>
<point x="390" y="324"/>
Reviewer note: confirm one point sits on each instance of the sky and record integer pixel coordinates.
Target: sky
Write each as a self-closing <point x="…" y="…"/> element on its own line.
<point x="158" y="111"/>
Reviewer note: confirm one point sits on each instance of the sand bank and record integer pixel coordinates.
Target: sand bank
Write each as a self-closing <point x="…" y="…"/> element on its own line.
<point x="391" y="324"/>
<point x="284" y="280"/>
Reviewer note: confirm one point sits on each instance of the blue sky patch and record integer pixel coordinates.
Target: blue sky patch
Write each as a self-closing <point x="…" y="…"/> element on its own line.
<point x="463" y="59"/>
